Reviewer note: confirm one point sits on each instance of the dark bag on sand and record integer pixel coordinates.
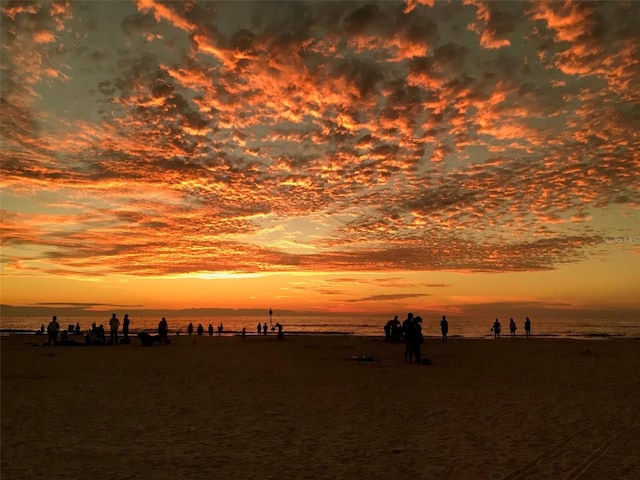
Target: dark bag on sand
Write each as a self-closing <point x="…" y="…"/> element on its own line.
<point x="426" y="361"/>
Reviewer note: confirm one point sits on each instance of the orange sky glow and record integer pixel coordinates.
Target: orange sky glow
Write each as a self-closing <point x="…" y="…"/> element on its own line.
<point x="461" y="157"/>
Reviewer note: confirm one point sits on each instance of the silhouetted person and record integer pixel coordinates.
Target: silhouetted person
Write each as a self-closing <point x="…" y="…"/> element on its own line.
<point x="100" y="334"/>
<point x="200" y="329"/>
<point x="190" y="328"/>
<point x="163" y="331"/>
<point x="125" y="326"/>
<point x="407" y="332"/>
<point x="280" y="332"/>
<point x="264" y="328"/>
<point x="42" y="329"/>
<point x="527" y="327"/>
<point x="220" y="329"/>
<point x="417" y="339"/>
<point x="243" y="333"/>
<point x="94" y="337"/>
<point x="396" y="328"/>
<point x="114" y="324"/>
<point x="270" y="315"/>
<point x="77" y="329"/>
<point x="496" y="328"/>
<point x="512" y="327"/>
<point x="52" y="329"/>
<point x="387" y="330"/>
<point x="444" y="329"/>
<point x="259" y="328"/>
<point x="210" y="330"/>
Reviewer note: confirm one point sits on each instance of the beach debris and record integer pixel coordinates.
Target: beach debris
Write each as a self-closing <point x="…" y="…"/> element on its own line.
<point x="362" y="358"/>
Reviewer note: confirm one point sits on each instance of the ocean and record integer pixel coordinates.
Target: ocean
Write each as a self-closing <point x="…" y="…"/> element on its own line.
<point x="345" y="324"/>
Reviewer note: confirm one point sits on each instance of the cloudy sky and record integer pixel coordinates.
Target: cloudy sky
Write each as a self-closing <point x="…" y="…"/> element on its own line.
<point x="335" y="156"/>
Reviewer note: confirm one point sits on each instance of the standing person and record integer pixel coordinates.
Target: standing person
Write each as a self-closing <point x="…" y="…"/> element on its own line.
<point x="190" y="328"/>
<point x="270" y="315"/>
<point x="444" y="328"/>
<point x="259" y="328"/>
<point x="264" y="328"/>
<point x="496" y="328"/>
<point x="417" y="338"/>
<point x="52" y="329"/>
<point x="114" y="324"/>
<point x="527" y="327"/>
<point x="512" y="327"/>
<point x="210" y="329"/>
<point x="220" y="328"/>
<point x="163" y="331"/>
<point x="125" y="326"/>
<point x="407" y="332"/>
<point x="200" y="329"/>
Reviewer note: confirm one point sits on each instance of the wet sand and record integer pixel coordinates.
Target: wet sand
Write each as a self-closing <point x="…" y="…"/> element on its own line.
<point x="220" y="407"/>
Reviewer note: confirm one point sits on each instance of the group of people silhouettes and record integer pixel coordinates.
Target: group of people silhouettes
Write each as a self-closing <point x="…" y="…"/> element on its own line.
<point x="95" y="336"/>
<point x="410" y="332"/>
<point x="396" y="331"/>
<point x="497" y="328"/>
<point x="200" y="329"/>
<point x="262" y="329"/>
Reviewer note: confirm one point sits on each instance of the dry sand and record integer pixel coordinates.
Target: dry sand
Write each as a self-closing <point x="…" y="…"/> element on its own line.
<point x="220" y="407"/>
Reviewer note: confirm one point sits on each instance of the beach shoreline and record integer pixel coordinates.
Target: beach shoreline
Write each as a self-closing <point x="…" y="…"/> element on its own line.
<point x="207" y="407"/>
<point x="4" y="332"/>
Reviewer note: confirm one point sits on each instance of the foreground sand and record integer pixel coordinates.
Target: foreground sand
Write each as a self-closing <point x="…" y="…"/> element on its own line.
<point x="300" y="408"/>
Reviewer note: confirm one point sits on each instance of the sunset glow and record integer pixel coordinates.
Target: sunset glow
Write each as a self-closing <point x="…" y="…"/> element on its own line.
<point x="462" y="157"/>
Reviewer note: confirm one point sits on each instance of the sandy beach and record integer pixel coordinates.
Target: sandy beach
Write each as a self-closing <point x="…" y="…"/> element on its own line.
<point x="302" y="408"/>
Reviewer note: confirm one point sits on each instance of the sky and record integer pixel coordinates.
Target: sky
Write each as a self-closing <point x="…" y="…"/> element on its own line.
<point x="336" y="156"/>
